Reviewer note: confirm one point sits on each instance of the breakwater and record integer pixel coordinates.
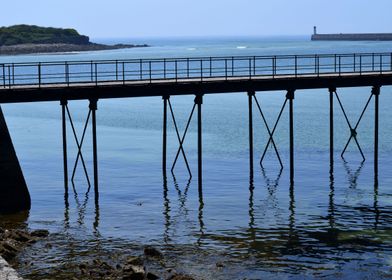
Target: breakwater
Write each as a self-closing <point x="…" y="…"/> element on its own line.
<point x="353" y="37"/>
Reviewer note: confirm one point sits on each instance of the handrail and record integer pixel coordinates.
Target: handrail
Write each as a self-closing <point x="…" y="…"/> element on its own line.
<point x="202" y="68"/>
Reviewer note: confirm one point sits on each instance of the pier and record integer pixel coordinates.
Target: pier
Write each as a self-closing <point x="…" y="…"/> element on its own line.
<point x="66" y="81"/>
<point x="351" y="36"/>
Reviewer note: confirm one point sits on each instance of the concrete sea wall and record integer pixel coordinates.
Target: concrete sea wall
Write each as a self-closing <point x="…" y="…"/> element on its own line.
<point x="353" y="37"/>
<point x="7" y="272"/>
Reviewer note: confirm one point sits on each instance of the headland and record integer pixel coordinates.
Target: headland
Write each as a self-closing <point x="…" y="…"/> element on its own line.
<point x="29" y="39"/>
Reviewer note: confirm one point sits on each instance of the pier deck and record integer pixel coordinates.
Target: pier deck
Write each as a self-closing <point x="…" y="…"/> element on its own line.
<point x="54" y="81"/>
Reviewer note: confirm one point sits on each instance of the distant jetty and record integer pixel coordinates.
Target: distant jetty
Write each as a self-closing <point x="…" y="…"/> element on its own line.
<point x="28" y="39"/>
<point x="351" y="36"/>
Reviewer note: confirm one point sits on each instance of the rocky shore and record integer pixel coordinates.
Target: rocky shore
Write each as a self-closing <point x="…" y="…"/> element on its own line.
<point x="13" y="242"/>
<point x="61" y="48"/>
<point x="134" y="268"/>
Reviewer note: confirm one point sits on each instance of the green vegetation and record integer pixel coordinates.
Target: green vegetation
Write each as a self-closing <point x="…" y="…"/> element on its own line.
<point x="32" y="34"/>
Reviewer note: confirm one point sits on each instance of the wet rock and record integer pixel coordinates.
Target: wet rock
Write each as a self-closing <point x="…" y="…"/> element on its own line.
<point x="41" y="233"/>
<point x="133" y="277"/>
<point x="8" y="251"/>
<point x="133" y="272"/>
<point x="97" y="262"/>
<point x="135" y="260"/>
<point x="180" y="277"/>
<point x="20" y="236"/>
<point x="152" y="252"/>
<point x="83" y="269"/>
<point x="129" y="268"/>
<point x="151" y="276"/>
<point x="106" y="266"/>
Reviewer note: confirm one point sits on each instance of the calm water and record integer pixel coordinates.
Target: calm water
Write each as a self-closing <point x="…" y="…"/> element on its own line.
<point x="329" y="227"/>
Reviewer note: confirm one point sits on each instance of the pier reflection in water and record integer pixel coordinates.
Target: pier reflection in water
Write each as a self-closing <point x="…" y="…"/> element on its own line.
<point x="301" y="247"/>
<point x="277" y="237"/>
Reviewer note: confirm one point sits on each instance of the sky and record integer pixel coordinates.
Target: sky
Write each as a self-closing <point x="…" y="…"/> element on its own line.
<point x="178" y="18"/>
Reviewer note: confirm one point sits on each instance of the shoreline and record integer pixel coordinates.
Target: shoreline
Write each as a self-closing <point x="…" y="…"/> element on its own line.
<point x="61" y="48"/>
<point x="149" y="264"/>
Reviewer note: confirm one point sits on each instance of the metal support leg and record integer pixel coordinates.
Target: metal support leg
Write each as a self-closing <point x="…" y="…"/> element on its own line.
<point x="164" y="144"/>
<point x="376" y="93"/>
<point x="65" y="157"/>
<point x="181" y="140"/>
<point x="290" y="97"/>
<point x="199" y="102"/>
<point x="250" y="96"/>
<point x="353" y="130"/>
<point x="271" y="133"/>
<point x="331" y="130"/>
<point x="93" y="108"/>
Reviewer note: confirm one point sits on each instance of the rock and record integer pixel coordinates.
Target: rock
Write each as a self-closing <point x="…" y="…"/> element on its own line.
<point x="152" y="276"/>
<point x="135" y="260"/>
<point x="133" y="272"/>
<point x="97" y="262"/>
<point x="133" y="276"/>
<point x="106" y="266"/>
<point x="41" y="233"/>
<point x="8" y="251"/>
<point x="152" y="252"/>
<point x="20" y="236"/>
<point x="129" y="268"/>
<point x="180" y="277"/>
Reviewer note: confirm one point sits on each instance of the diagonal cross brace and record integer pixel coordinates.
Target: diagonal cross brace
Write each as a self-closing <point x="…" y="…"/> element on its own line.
<point x="79" y="145"/>
<point x="271" y="133"/>
<point x="181" y="139"/>
<point x="353" y="130"/>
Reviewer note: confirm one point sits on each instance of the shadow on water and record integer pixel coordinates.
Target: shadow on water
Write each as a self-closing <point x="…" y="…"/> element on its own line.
<point x="14" y="221"/>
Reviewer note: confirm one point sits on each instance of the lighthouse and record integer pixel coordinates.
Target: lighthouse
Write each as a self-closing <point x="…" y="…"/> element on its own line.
<point x="314" y="30"/>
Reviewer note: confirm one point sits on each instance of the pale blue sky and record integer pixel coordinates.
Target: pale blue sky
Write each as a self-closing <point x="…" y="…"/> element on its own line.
<point x="166" y="18"/>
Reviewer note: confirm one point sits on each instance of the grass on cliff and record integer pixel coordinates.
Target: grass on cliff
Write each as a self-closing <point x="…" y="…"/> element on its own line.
<point x="31" y="34"/>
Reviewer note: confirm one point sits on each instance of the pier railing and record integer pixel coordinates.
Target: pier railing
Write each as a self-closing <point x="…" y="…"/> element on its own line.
<point x="97" y="72"/>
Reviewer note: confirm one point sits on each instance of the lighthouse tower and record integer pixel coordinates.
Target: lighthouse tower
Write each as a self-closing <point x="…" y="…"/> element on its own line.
<point x="314" y="30"/>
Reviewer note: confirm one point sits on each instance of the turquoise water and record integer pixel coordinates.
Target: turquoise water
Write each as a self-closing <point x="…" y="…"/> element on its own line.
<point x="323" y="227"/>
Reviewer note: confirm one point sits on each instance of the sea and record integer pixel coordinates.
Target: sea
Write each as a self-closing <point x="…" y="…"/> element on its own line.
<point x="330" y="224"/>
